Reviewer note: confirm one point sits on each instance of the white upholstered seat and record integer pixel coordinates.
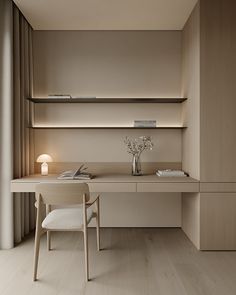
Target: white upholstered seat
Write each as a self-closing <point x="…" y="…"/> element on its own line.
<point x="66" y="219"/>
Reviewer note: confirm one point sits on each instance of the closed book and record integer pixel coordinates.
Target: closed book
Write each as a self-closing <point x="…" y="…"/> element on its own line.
<point x="171" y="173"/>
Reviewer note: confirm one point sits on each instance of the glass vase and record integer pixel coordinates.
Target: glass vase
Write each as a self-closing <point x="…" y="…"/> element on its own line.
<point x="136" y="165"/>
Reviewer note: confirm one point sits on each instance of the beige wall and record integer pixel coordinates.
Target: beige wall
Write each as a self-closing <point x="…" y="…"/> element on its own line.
<point x="191" y="90"/>
<point x="100" y="114"/>
<point x="111" y="64"/>
<point x="107" y="63"/>
<point x="105" y="145"/>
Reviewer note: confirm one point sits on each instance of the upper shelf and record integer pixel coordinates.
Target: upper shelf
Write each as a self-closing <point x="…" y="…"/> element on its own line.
<point x="106" y="127"/>
<point x="107" y="100"/>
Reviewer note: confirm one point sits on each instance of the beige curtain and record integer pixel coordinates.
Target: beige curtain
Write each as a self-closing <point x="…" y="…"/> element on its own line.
<point x="6" y="100"/>
<point x="24" y="210"/>
<point x="17" y="213"/>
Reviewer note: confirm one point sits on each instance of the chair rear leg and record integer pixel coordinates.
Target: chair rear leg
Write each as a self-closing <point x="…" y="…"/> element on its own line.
<point x="86" y="254"/>
<point x="85" y="230"/>
<point x="98" y="224"/>
<point x="49" y="237"/>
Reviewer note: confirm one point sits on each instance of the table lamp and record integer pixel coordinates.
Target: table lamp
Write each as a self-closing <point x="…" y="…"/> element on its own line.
<point x="44" y="158"/>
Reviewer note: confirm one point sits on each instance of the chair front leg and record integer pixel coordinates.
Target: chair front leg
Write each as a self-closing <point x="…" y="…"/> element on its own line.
<point x="38" y="232"/>
<point x="98" y="223"/>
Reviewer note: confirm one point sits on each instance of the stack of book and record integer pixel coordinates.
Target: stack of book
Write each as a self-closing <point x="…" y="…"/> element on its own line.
<point x="59" y="96"/>
<point x="171" y="173"/>
<point x="145" y="123"/>
<point x="87" y="97"/>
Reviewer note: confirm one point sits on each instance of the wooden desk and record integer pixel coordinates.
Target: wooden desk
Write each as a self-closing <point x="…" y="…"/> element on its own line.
<point x="208" y="209"/>
<point x="116" y="183"/>
<point x="119" y="183"/>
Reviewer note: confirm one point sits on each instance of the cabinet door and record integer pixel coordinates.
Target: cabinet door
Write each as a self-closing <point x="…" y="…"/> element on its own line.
<point x="218" y="221"/>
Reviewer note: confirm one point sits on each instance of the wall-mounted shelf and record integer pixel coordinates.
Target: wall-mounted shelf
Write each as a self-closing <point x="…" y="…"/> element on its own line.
<point x="107" y="100"/>
<point x="106" y="127"/>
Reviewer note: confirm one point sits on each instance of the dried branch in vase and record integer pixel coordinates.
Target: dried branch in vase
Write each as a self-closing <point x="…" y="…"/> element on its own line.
<point x="136" y="147"/>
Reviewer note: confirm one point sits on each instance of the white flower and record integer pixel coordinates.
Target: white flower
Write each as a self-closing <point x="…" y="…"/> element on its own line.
<point x="138" y="145"/>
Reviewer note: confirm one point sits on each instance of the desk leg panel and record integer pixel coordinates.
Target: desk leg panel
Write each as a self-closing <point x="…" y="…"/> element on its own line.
<point x="191" y="217"/>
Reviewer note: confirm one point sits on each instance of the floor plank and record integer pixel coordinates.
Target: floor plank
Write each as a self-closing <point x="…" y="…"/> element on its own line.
<point x="132" y="262"/>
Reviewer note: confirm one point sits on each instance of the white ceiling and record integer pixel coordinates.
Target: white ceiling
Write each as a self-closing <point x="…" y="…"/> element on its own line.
<point x="106" y="14"/>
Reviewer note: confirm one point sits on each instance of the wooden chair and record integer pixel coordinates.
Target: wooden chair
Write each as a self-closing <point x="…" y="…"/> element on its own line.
<point x="66" y="219"/>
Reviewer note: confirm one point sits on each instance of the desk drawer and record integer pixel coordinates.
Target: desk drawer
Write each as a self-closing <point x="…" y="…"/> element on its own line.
<point x="112" y="187"/>
<point x="169" y="187"/>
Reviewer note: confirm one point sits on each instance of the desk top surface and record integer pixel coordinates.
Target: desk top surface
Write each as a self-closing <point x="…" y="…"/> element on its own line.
<point x="109" y="178"/>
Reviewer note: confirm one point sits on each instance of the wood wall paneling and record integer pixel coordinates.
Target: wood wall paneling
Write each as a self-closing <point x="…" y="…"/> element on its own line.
<point x="220" y="187"/>
<point x="218" y="88"/>
<point x="191" y="88"/>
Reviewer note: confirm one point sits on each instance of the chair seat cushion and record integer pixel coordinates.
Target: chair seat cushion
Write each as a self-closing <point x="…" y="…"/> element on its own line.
<point x="66" y="219"/>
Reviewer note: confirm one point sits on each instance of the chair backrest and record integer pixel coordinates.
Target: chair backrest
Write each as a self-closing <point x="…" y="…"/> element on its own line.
<point x="62" y="193"/>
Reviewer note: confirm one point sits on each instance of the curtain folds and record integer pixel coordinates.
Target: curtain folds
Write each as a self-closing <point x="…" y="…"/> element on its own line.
<point x="17" y="213"/>
<point x="24" y="211"/>
<point x="6" y="116"/>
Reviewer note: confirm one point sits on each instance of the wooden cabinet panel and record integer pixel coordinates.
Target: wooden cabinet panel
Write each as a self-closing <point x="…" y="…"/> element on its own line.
<point x="218" y="221"/>
<point x="218" y="187"/>
<point x="218" y="88"/>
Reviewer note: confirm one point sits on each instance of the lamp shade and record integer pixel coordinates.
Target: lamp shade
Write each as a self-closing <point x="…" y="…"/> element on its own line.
<point x="44" y="158"/>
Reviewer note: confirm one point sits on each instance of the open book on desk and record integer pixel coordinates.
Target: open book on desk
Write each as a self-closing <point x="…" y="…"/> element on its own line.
<point x="79" y="174"/>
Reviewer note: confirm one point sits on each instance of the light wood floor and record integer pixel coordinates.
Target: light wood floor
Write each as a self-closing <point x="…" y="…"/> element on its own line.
<point x="133" y="262"/>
